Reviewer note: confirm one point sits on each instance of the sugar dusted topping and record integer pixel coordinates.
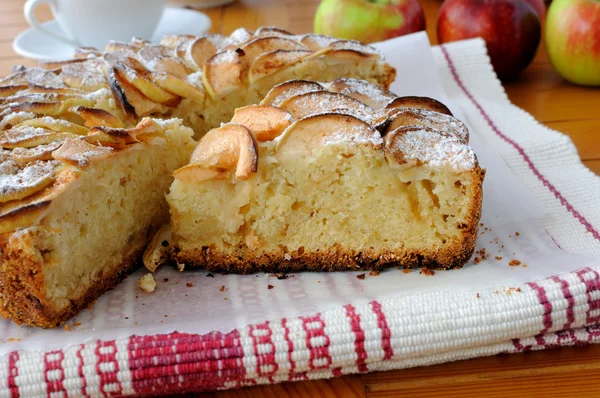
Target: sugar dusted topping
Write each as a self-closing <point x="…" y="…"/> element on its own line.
<point x="34" y="76"/>
<point x="353" y="135"/>
<point x="40" y="152"/>
<point x="15" y="118"/>
<point x="15" y="177"/>
<point x="20" y="134"/>
<point x="92" y="151"/>
<point x="445" y="124"/>
<point x="428" y="146"/>
<point x="195" y="79"/>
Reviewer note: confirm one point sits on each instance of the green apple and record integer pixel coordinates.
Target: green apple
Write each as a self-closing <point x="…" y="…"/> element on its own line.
<point x="369" y="20"/>
<point x="573" y="40"/>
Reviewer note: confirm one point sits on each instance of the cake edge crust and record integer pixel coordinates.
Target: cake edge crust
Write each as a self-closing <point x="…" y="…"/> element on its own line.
<point x="23" y="294"/>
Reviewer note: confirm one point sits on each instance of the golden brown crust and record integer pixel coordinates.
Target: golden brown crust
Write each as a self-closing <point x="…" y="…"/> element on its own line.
<point x="22" y="288"/>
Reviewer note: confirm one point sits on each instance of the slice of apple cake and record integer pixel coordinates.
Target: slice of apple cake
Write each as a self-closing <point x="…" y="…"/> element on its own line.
<point x="328" y="176"/>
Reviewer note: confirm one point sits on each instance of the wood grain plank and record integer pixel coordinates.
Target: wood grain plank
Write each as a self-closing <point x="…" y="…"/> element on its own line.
<point x="493" y="375"/>
<point x="341" y="387"/>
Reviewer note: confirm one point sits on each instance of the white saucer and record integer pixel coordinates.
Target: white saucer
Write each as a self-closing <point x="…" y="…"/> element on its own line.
<point x="175" y="21"/>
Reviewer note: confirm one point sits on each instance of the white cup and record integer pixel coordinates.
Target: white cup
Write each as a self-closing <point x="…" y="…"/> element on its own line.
<point x="92" y="23"/>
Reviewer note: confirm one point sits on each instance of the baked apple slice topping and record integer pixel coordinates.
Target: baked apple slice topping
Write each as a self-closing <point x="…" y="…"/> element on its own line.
<point x="418" y="103"/>
<point x="223" y="73"/>
<point x="421" y="117"/>
<point x="314" y="103"/>
<point x="266" y="122"/>
<point x="97" y="117"/>
<point x="272" y="62"/>
<point x="304" y="135"/>
<point x="231" y="147"/>
<point x="283" y="91"/>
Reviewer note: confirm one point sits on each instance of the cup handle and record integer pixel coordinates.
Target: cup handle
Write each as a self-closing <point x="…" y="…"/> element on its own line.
<point x="29" y="9"/>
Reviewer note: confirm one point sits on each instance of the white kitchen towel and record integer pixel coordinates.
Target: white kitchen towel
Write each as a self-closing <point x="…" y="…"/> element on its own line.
<point x="419" y="328"/>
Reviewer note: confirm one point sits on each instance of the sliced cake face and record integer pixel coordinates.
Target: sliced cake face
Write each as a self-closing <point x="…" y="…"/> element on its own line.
<point x="199" y="79"/>
<point x="78" y="204"/>
<point x="328" y="176"/>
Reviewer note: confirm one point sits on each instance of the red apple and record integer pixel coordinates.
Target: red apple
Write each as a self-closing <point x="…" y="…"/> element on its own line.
<point x="573" y="40"/>
<point x="539" y="7"/>
<point x="511" y="30"/>
<point x="369" y="20"/>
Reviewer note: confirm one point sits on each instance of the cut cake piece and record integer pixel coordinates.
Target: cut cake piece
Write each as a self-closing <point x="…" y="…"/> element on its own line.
<point x="349" y="179"/>
<point x="77" y="208"/>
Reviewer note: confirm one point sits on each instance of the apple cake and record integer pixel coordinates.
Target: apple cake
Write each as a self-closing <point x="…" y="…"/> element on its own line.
<point x="88" y="146"/>
<point x="327" y="176"/>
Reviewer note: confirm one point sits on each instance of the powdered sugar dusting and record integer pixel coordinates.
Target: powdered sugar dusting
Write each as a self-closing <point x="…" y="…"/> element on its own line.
<point x="21" y="134"/>
<point x="195" y="79"/>
<point x="354" y="134"/>
<point x="15" y="118"/>
<point x="355" y="46"/>
<point x="369" y="93"/>
<point x="296" y="89"/>
<point x="15" y="177"/>
<point x="324" y="102"/>
<point x="34" y="76"/>
<point x="40" y="152"/>
<point x="82" y="158"/>
<point x="446" y="124"/>
<point x="428" y="146"/>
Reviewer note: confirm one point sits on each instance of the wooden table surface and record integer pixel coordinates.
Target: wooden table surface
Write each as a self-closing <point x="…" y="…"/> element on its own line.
<point x="573" y="110"/>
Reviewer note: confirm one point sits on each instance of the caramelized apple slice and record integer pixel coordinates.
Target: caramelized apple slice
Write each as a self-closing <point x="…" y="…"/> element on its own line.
<point x="223" y="73"/>
<point x="38" y="76"/>
<point x="272" y="62"/>
<point x="106" y="136"/>
<point x="8" y="118"/>
<point x="18" y="181"/>
<point x="227" y="148"/>
<point x="8" y="91"/>
<point x="419" y="103"/>
<point x="87" y="75"/>
<point x="355" y="46"/>
<point x="141" y="81"/>
<point x="97" y="117"/>
<point x="28" y="137"/>
<point x="261" y="45"/>
<point x="50" y="108"/>
<point x="178" y="87"/>
<point x="415" y="145"/>
<point x="316" y="42"/>
<point x="272" y="31"/>
<point x="266" y="122"/>
<point x="172" y="41"/>
<point x="81" y="153"/>
<point x="58" y="125"/>
<point x="304" y="135"/>
<point x="50" y="65"/>
<point x="314" y="103"/>
<point x="445" y="124"/>
<point x="291" y="88"/>
<point x="367" y="93"/>
<point x="201" y="49"/>
<point x="40" y="152"/>
<point x="131" y="101"/>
